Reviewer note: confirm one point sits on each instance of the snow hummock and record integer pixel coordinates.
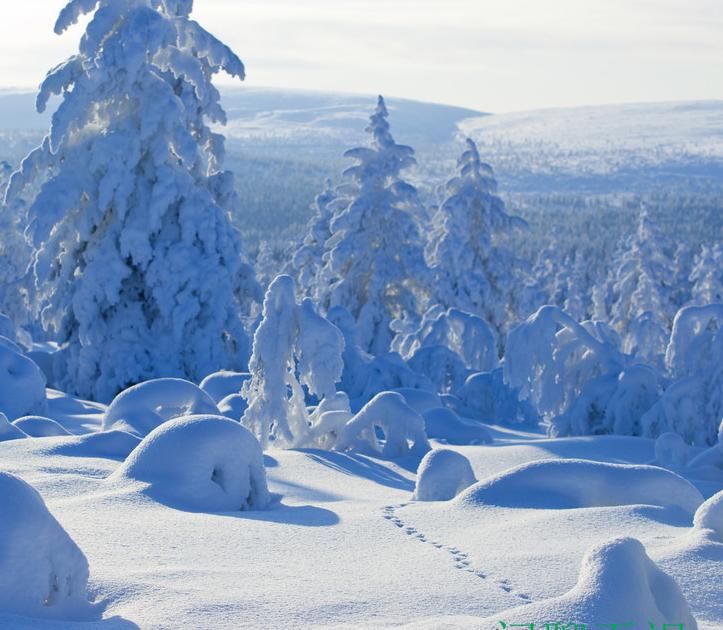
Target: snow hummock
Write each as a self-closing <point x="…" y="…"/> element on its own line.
<point x="200" y="463"/>
<point x="710" y="516"/>
<point x="578" y="483"/>
<point x="8" y="431"/>
<point x="224" y="383"/>
<point x="22" y="383"/>
<point x="43" y="573"/>
<point x="618" y="583"/>
<point x="399" y="423"/>
<point x="143" y="407"/>
<point x="442" y="475"/>
<point x="671" y="450"/>
<point x="39" y="426"/>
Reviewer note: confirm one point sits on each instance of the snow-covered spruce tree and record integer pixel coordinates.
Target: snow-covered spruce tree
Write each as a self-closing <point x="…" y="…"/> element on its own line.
<point x="307" y="259"/>
<point x="641" y="304"/>
<point x="474" y="270"/>
<point x="138" y="269"/>
<point x="707" y="276"/>
<point x="293" y="347"/>
<point x="374" y="260"/>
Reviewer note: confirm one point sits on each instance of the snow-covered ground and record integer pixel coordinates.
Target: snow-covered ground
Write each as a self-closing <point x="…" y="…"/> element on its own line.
<point x="344" y="544"/>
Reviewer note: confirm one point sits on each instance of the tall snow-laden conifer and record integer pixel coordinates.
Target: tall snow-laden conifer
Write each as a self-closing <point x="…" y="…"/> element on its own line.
<point x="374" y="260"/>
<point x="474" y="270"/>
<point x="137" y="268"/>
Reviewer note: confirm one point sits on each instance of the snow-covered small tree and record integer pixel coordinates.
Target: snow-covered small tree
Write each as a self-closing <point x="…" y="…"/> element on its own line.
<point x="707" y="276"/>
<point x="294" y="347"/>
<point x="374" y="261"/>
<point x="138" y="269"/>
<point x="641" y="308"/>
<point x="474" y="269"/>
<point x="307" y="259"/>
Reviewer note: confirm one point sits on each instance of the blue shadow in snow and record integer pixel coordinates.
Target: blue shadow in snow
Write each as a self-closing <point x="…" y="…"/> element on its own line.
<point x="360" y="466"/>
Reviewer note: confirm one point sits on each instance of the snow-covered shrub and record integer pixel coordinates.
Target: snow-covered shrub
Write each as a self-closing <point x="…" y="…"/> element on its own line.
<point x="671" y="450"/>
<point x="486" y="397"/>
<point x="22" y="384"/>
<point x="611" y="404"/>
<point x="445" y="425"/>
<point x="693" y="405"/>
<point x="474" y="268"/>
<point x="137" y="267"/>
<point x="224" y="383"/>
<point x="711" y="459"/>
<point x="442" y="475"/>
<point x="398" y="423"/>
<point x="43" y="573"/>
<point x="374" y="260"/>
<point x="420" y="400"/>
<point x="617" y="581"/>
<point x="468" y="336"/>
<point x="327" y="421"/>
<point x="39" y="426"/>
<point x="9" y="431"/>
<point x="579" y="483"/>
<point x="440" y="366"/>
<point x="710" y="516"/>
<point x="293" y="347"/>
<point x="364" y="376"/>
<point x="143" y="407"/>
<point x="200" y="463"/>
<point x="550" y="357"/>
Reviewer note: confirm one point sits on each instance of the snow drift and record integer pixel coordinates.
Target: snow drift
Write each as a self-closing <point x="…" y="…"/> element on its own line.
<point x="43" y="573"/>
<point x="578" y="483"/>
<point x="618" y="583"/>
<point x="143" y="407"/>
<point x="442" y="475"/>
<point x="444" y="424"/>
<point x="39" y="426"/>
<point x="710" y="516"/>
<point x="201" y="463"/>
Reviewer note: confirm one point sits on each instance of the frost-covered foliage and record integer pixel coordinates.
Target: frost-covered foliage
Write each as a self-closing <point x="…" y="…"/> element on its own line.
<point x="642" y="308"/>
<point x="707" y="276"/>
<point x="22" y="383"/>
<point x="388" y="413"/>
<point x="693" y="404"/>
<point x="474" y="268"/>
<point x="550" y="358"/>
<point x="467" y="335"/>
<point x="294" y="348"/>
<point x="43" y="573"/>
<point x="137" y="266"/>
<point x="141" y="408"/>
<point x="374" y="261"/>
<point x="486" y="397"/>
<point x="307" y="259"/>
<point x="442" y="475"/>
<point x="200" y="463"/>
<point x="617" y="581"/>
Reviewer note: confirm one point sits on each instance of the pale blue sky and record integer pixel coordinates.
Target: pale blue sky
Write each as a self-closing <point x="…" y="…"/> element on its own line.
<point x="494" y="55"/>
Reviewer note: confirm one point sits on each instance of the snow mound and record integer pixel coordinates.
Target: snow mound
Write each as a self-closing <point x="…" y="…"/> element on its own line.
<point x="221" y="384"/>
<point x="22" y="383"/>
<point x="143" y="407"/>
<point x="9" y="431"/>
<point x="419" y="399"/>
<point x="107" y="444"/>
<point x="39" y="426"/>
<point x="711" y="458"/>
<point x="444" y="424"/>
<point x="442" y="475"/>
<point x="671" y="450"/>
<point x="233" y="406"/>
<point x="710" y="516"/>
<point x="618" y="582"/>
<point x="578" y="483"/>
<point x="200" y="463"/>
<point x="389" y="414"/>
<point x="43" y="573"/>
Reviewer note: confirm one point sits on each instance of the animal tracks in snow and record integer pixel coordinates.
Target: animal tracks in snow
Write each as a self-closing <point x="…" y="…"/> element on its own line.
<point x="459" y="558"/>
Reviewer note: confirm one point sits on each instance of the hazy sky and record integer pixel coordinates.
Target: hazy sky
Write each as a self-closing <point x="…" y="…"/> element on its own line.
<point x="493" y="55"/>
